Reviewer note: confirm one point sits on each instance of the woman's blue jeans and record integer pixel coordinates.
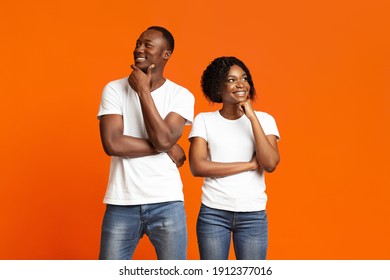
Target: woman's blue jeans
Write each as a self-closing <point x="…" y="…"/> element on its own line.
<point x="163" y="223"/>
<point x="249" y="231"/>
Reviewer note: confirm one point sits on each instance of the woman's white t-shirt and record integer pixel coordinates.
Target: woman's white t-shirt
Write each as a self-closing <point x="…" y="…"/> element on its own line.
<point x="233" y="141"/>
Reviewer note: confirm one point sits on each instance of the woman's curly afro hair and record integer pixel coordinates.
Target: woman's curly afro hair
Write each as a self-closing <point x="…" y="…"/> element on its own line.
<point x="216" y="73"/>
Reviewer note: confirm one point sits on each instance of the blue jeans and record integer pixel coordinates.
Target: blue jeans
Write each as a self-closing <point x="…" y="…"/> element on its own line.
<point x="163" y="223"/>
<point x="216" y="227"/>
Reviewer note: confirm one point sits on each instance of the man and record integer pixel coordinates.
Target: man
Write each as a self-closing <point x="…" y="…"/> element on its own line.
<point x="141" y="119"/>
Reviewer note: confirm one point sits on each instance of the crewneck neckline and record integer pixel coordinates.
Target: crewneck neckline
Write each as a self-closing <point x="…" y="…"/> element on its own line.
<point x="229" y="120"/>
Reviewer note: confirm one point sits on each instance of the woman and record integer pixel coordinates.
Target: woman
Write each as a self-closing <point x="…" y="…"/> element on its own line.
<point x="231" y="148"/>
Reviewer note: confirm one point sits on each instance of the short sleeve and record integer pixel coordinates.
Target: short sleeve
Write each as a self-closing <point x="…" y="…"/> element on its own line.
<point x="184" y="105"/>
<point x="110" y="102"/>
<point x="198" y="128"/>
<point x="268" y="124"/>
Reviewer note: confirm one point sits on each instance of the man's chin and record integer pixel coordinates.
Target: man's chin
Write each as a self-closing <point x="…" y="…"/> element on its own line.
<point x="141" y="66"/>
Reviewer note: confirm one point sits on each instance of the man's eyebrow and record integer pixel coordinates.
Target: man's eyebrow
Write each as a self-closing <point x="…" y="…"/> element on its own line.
<point x="145" y="40"/>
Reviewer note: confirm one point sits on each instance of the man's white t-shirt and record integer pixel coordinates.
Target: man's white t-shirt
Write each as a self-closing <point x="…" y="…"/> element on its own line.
<point x="233" y="141"/>
<point x="149" y="179"/>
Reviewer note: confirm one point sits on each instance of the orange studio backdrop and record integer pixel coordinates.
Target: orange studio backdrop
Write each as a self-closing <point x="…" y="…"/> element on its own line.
<point x="321" y="68"/>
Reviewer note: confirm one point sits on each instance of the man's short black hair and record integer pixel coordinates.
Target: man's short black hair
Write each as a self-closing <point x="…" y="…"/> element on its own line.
<point x="167" y="36"/>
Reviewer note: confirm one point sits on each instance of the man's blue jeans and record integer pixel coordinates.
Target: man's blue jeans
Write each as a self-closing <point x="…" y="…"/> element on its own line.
<point x="163" y="223"/>
<point x="248" y="229"/>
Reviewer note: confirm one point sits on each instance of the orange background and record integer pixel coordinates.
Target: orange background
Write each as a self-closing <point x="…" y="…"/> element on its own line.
<point x="321" y="68"/>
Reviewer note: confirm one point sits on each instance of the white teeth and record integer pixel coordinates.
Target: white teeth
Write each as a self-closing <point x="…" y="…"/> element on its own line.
<point x="140" y="58"/>
<point x="240" y="93"/>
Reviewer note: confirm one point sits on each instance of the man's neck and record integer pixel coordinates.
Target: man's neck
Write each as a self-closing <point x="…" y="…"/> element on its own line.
<point x="156" y="82"/>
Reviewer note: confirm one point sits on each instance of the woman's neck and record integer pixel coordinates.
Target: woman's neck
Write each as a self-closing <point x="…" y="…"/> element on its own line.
<point x="231" y="112"/>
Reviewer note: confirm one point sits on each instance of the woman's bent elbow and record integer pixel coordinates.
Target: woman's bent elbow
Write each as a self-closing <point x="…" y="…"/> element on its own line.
<point x="195" y="172"/>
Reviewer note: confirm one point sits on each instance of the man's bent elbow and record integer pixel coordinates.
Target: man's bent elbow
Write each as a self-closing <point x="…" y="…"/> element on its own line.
<point x="110" y="152"/>
<point x="270" y="167"/>
<point x="163" y="145"/>
<point x="110" y="149"/>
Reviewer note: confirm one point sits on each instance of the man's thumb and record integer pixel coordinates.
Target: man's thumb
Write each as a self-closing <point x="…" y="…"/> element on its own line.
<point x="150" y="68"/>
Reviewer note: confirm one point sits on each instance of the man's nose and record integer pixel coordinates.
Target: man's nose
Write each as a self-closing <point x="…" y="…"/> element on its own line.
<point x="139" y="48"/>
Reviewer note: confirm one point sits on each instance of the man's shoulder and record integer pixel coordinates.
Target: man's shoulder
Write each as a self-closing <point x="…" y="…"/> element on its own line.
<point x="118" y="82"/>
<point x="178" y="92"/>
<point x="118" y="86"/>
<point x="170" y="84"/>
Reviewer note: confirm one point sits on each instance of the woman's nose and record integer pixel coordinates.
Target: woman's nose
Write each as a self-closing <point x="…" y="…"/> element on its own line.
<point x="239" y="84"/>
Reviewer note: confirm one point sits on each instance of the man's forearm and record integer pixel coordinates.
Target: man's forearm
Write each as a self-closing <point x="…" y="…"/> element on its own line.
<point x="127" y="146"/>
<point x="159" y="132"/>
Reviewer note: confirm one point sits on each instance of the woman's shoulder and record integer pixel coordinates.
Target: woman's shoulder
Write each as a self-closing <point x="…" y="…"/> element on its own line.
<point x="206" y="117"/>
<point x="208" y="114"/>
<point x="265" y="118"/>
<point x="263" y="115"/>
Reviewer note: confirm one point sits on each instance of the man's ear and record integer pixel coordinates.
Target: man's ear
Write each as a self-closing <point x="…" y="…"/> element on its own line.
<point x="167" y="54"/>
